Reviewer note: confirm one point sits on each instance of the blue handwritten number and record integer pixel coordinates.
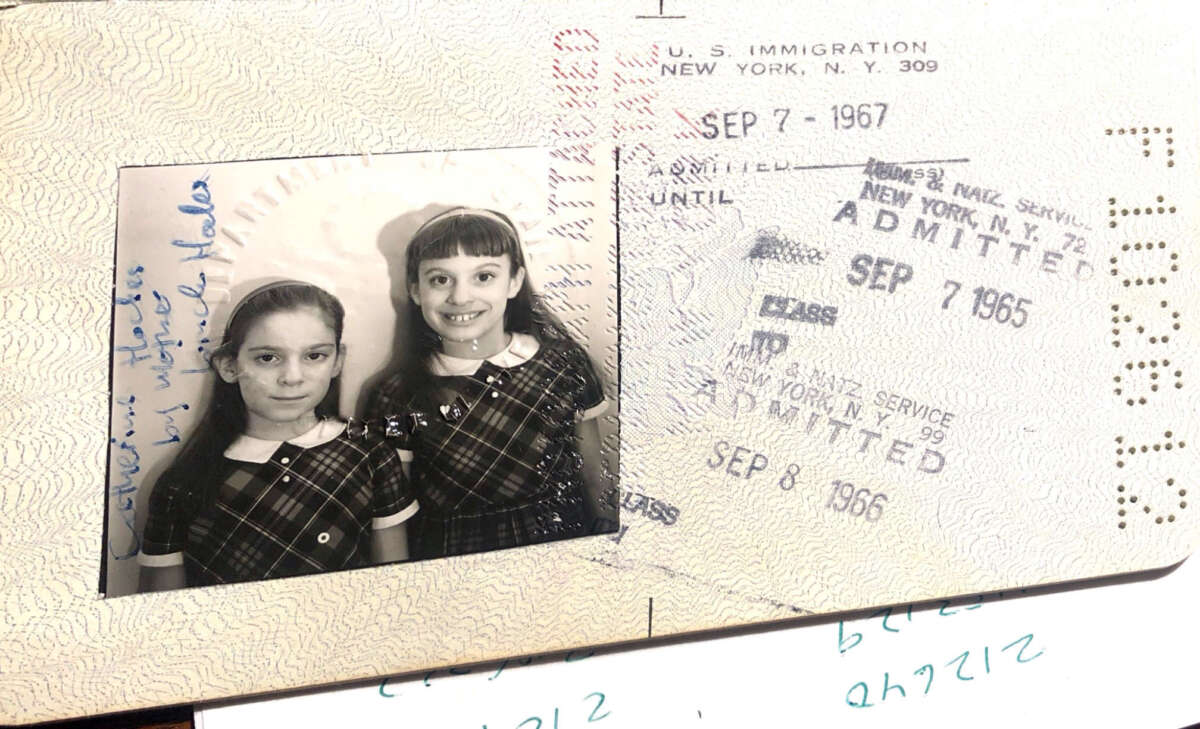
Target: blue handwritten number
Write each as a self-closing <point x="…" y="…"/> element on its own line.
<point x="592" y="717"/>
<point x="962" y="662"/>
<point x="942" y="611"/>
<point x="862" y="704"/>
<point x="1028" y="639"/>
<point x="842" y="647"/>
<point x="385" y="694"/>
<point x="538" y="720"/>
<point x="888" y="687"/>
<point x="499" y="669"/>
<point x="921" y="670"/>
<point x="887" y="613"/>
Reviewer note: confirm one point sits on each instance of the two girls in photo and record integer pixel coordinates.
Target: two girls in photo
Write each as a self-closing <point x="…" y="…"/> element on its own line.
<point x="506" y="452"/>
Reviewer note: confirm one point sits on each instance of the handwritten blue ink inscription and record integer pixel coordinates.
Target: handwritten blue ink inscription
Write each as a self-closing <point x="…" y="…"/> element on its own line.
<point x="168" y="426"/>
<point x="200" y="208"/>
<point x="128" y="311"/>
<point x="164" y="342"/>
<point x="200" y="313"/>
<point x="198" y="250"/>
<point x="128" y="465"/>
<point x="965" y="668"/>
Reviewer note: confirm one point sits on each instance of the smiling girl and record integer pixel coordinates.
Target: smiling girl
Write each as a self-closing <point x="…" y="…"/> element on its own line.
<point x="270" y="485"/>
<point x="510" y="453"/>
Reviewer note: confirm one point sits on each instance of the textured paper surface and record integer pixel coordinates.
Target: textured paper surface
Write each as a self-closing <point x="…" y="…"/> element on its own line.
<point x="1043" y="104"/>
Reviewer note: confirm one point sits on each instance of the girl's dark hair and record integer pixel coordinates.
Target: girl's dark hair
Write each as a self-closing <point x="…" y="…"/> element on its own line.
<point x="225" y="419"/>
<point x="471" y="232"/>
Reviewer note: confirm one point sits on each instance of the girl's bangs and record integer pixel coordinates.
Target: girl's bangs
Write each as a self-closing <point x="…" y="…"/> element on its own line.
<point x="467" y="236"/>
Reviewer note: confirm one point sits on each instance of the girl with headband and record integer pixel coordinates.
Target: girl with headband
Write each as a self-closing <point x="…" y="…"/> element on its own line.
<point x="508" y="453"/>
<point x="271" y="484"/>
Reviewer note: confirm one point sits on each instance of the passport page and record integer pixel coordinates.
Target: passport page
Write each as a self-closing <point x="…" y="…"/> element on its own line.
<point x="897" y="303"/>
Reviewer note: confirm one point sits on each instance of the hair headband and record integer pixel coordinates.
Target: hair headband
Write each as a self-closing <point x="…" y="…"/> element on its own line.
<point x="259" y="291"/>
<point x="480" y="212"/>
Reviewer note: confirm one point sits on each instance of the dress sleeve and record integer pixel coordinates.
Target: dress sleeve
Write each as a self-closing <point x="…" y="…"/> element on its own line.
<point x="589" y="392"/>
<point x="165" y="534"/>
<point x="392" y="499"/>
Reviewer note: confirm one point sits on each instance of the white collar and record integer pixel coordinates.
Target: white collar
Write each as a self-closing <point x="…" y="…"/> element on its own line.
<point x="256" y="450"/>
<point x="520" y="350"/>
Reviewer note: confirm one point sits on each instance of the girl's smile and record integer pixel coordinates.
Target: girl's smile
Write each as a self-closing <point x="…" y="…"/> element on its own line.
<point x="463" y="299"/>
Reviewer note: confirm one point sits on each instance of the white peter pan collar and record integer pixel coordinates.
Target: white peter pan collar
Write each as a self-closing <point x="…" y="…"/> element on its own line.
<point x="256" y="450"/>
<point x="520" y="350"/>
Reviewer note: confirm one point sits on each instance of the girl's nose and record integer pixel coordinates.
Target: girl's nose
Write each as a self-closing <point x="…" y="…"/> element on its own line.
<point x="292" y="373"/>
<point x="460" y="292"/>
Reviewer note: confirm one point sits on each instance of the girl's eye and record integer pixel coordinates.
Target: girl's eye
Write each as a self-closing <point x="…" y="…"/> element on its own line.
<point x="439" y="280"/>
<point x="317" y="356"/>
<point x="485" y="276"/>
<point x="267" y="358"/>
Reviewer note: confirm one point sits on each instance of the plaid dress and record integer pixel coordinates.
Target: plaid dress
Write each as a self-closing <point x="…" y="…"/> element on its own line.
<point x="497" y="465"/>
<point x="284" y="508"/>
